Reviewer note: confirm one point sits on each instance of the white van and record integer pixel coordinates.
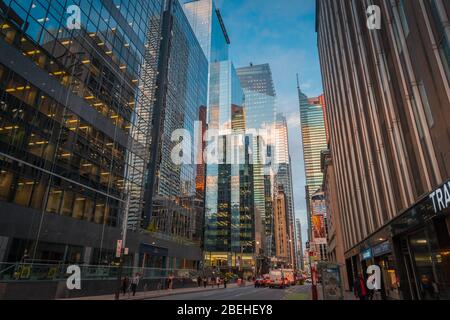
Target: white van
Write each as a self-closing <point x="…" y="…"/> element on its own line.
<point x="276" y="279"/>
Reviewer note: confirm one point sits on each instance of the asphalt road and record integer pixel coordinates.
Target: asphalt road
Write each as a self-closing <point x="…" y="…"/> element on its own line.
<point x="247" y="293"/>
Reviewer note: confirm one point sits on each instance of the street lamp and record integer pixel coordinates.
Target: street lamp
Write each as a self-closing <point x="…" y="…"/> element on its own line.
<point x="256" y="256"/>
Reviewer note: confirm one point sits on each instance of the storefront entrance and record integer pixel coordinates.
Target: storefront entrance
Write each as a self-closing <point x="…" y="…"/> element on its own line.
<point x="426" y="258"/>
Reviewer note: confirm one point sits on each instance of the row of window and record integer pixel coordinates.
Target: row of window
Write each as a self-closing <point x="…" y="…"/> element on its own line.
<point x="61" y="200"/>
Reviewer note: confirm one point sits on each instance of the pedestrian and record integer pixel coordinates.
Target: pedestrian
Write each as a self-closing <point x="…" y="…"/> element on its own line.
<point x="25" y="256"/>
<point x="135" y="283"/>
<point x="125" y="284"/>
<point x="205" y="282"/>
<point x="225" y="280"/>
<point x="218" y="282"/>
<point x="213" y="282"/>
<point x="359" y="288"/>
<point x="199" y="281"/>
<point x="435" y="289"/>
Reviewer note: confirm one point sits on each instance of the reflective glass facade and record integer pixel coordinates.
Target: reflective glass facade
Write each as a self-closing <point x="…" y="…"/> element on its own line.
<point x="72" y="104"/>
<point x="207" y="24"/>
<point x="177" y="209"/>
<point x="260" y="108"/>
<point x="230" y="238"/>
<point x="314" y="137"/>
<point x="76" y="120"/>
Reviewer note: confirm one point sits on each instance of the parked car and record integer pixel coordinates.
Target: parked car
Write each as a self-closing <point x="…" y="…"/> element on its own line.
<point x="266" y="280"/>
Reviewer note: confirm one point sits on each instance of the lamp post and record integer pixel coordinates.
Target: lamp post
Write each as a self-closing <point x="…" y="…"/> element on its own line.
<point x="255" y="257"/>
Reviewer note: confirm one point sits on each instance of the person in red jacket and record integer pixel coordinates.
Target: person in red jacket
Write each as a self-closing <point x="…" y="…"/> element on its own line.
<point x="359" y="288"/>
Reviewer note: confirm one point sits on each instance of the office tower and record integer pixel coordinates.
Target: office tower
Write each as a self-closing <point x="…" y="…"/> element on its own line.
<point x="260" y="108"/>
<point x="388" y="106"/>
<point x="281" y="230"/>
<point x="299" y="244"/>
<point x="207" y="23"/>
<point x="283" y="178"/>
<point x="260" y="96"/>
<point x="232" y="238"/>
<point x="76" y="125"/>
<point x="177" y="207"/>
<point x="312" y="121"/>
<point x="66" y="159"/>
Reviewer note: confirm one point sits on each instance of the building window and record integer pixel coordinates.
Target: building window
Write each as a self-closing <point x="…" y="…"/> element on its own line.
<point x="5" y="184"/>
<point x="426" y="104"/>
<point x="403" y="19"/>
<point x="441" y="36"/>
<point x="38" y="195"/>
<point x="67" y="205"/>
<point x="54" y="200"/>
<point x="23" y="192"/>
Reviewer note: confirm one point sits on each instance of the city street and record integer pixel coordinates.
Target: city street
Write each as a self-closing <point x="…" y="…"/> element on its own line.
<point x="247" y="293"/>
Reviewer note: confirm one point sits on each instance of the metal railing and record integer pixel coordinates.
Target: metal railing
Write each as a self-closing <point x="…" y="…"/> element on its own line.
<point x="25" y="271"/>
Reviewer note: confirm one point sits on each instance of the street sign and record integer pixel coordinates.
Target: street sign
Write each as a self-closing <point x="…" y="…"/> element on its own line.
<point x="119" y="248"/>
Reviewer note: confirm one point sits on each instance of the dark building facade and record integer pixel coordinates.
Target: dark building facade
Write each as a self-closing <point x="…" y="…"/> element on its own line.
<point x="76" y="118"/>
<point x="388" y="107"/>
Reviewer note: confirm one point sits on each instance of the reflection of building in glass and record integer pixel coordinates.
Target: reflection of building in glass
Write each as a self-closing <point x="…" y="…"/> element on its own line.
<point x="182" y="92"/>
<point x="76" y="118"/>
<point x="260" y="107"/>
<point x="74" y="157"/>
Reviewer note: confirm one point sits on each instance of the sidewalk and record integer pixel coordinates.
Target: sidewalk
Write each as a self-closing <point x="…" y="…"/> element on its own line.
<point x="348" y="295"/>
<point x="160" y="293"/>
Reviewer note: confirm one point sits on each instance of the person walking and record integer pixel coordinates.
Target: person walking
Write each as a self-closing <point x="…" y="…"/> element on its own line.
<point x="359" y="288"/>
<point x="199" y="281"/>
<point x="205" y="282"/>
<point x="218" y="282"/>
<point x="135" y="283"/>
<point x="125" y="284"/>
<point x="225" y="280"/>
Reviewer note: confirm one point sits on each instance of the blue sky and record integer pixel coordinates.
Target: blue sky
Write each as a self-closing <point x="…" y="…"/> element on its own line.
<point x="281" y="33"/>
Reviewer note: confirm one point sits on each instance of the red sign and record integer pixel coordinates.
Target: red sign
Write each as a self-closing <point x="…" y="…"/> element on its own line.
<point x="119" y="248"/>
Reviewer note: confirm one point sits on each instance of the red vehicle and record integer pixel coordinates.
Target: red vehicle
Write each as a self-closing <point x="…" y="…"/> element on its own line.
<point x="266" y="280"/>
<point x="259" y="282"/>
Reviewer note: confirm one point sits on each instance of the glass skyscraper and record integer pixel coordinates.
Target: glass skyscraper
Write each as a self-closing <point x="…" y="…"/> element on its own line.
<point x="314" y="136"/>
<point x="260" y="107"/>
<point x="177" y="208"/>
<point x="73" y="100"/>
<point x="77" y="123"/>
<point x="231" y="237"/>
